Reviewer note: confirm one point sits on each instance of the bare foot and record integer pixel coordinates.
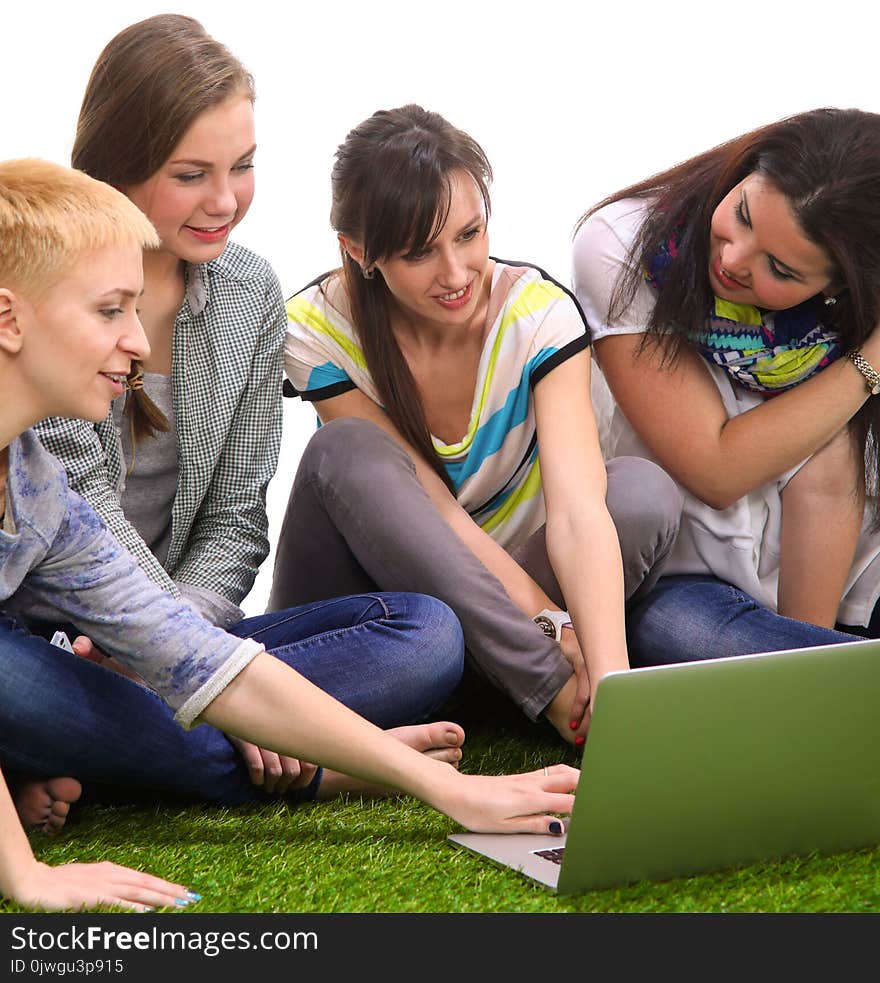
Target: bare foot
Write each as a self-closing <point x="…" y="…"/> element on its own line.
<point x="44" y="804"/>
<point x="441" y="740"/>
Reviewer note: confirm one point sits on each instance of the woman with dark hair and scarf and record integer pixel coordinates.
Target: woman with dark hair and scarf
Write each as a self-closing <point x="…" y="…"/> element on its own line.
<point x="734" y="300"/>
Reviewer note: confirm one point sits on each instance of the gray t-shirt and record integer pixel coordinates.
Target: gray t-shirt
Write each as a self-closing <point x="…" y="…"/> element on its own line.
<point x="151" y="470"/>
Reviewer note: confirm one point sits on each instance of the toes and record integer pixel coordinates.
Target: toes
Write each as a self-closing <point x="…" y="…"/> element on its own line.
<point x="66" y="790"/>
<point x="450" y="754"/>
<point x="44" y="805"/>
<point x="442" y="733"/>
<point x="59" y="810"/>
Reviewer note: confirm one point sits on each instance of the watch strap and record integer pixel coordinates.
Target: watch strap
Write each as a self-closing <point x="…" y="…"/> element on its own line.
<point x="551" y="622"/>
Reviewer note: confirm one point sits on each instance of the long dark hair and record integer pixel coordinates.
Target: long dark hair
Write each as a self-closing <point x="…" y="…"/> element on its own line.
<point x="827" y="164"/>
<point x="391" y="193"/>
<point x="146" y="89"/>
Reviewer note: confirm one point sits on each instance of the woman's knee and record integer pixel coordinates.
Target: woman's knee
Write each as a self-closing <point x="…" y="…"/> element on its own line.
<point x="644" y="501"/>
<point x="690" y="618"/>
<point x="431" y="666"/>
<point x="442" y="634"/>
<point x="349" y="450"/>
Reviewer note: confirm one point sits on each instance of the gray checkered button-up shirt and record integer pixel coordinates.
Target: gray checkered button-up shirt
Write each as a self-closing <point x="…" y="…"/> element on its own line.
<point x="226" y="377"/>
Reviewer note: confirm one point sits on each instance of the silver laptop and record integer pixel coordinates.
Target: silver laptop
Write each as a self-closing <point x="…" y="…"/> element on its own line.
<point x="705" y="765"/>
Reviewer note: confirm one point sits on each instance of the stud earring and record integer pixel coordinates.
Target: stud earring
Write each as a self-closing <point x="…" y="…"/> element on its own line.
<point x="830" y="301"/>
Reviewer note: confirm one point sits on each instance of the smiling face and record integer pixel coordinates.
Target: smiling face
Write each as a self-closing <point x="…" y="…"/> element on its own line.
<point x="79" y="339"/>
<point x="205" y="187"/>
<point x="445" y="284"/>
<point x="758" y="254"/>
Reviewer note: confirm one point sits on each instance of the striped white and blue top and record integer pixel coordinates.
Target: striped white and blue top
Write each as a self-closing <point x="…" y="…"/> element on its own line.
<point x="535" y="325"/>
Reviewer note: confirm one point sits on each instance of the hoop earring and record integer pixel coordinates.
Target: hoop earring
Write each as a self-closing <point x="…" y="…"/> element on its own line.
<point x="368" y="272"/>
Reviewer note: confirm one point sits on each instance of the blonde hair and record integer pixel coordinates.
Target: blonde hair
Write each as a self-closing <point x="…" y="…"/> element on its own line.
<point x="51" y="215"/>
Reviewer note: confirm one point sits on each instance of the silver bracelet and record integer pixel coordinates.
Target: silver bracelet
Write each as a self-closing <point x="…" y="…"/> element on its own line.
<point x="869" y="373"/>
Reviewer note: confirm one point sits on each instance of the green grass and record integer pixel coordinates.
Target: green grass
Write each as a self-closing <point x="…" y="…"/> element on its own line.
<point x="357" y="855"/>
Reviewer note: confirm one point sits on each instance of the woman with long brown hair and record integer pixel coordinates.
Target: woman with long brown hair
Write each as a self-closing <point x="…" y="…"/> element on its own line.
<point x="459" y="453"/>
<point x="178" y="469"/>
<point x="734" y="300"/>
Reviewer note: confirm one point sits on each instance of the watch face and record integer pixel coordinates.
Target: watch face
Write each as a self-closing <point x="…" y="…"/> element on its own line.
<point x="546" y="626"/>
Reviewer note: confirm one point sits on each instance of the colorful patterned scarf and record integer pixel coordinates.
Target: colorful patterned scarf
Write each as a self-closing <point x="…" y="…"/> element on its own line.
<point x="765" y="351"/>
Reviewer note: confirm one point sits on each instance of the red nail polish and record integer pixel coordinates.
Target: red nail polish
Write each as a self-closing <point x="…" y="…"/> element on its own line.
<point x="573" y="725"/>
<point x="579" y="741"/>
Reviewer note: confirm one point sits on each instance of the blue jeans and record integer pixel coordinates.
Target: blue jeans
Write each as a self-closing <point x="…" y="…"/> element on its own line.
<point x="692" y="617"/>
<point x="393" y="658"/>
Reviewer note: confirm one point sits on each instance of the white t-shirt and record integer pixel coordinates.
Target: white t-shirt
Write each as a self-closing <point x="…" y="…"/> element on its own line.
<point x="535" y="326"/>
<point x="739" y="544"/>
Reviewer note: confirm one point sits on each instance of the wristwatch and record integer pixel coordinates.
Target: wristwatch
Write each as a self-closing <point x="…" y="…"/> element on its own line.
<point x="871" y="375"/>
<point x="552" y="623"/>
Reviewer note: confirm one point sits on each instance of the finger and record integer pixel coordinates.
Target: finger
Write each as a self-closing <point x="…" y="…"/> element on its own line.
<point x="579" y="706"/>
<point x="290" y="772"/>
<point x="271" y="770"/>
<point x="153" y="889"/>
<point x="306" y="774"/>
<point x="123" y="899"/>
<point x="543" y="821"/>
<point x="582" y="730"/>
<point x="146" y="889"/>
<point x="85" y="649"/>
<point x="555" y="778"/>
<point x="560" y="771"/>
<point x="253" y="761"/>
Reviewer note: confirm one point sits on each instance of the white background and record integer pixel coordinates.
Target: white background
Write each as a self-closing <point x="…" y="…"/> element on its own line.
<point x="570" y="100"/>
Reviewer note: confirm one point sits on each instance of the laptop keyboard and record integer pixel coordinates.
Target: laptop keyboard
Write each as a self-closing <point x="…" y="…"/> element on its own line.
<point x="554" y="856"/>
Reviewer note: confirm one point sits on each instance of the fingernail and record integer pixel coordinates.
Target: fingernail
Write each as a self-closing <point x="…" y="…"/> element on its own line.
<point x="181" y="902"/>
<point x="193" y="896"/>
<point x="148" y="908"/>
<point x="579" y="741"/>
<point x="573" y="725"/>
<point x="555" y="828"/>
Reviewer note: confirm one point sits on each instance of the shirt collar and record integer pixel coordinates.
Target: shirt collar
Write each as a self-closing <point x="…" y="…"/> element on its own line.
<point x="196" y="287"/>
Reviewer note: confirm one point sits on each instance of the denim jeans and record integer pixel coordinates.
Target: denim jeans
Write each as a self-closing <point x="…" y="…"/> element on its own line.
<point x="359" y="519"/>
<point x="691" y="617"/>
<point x="393" y="658"/>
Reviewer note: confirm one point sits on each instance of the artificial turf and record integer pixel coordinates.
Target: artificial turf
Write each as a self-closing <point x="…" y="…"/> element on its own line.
<point x="391" y="855"/>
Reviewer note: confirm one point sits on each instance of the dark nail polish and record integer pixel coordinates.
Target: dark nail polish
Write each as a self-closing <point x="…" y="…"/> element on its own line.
<point x="556" y="828"/>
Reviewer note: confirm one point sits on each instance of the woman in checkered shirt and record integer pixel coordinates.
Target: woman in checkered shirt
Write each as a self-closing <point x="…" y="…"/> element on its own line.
<point x="178" y="470"/>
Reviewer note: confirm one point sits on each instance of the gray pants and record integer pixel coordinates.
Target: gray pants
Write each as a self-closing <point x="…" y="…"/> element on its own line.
<point x="359" y="520"/>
